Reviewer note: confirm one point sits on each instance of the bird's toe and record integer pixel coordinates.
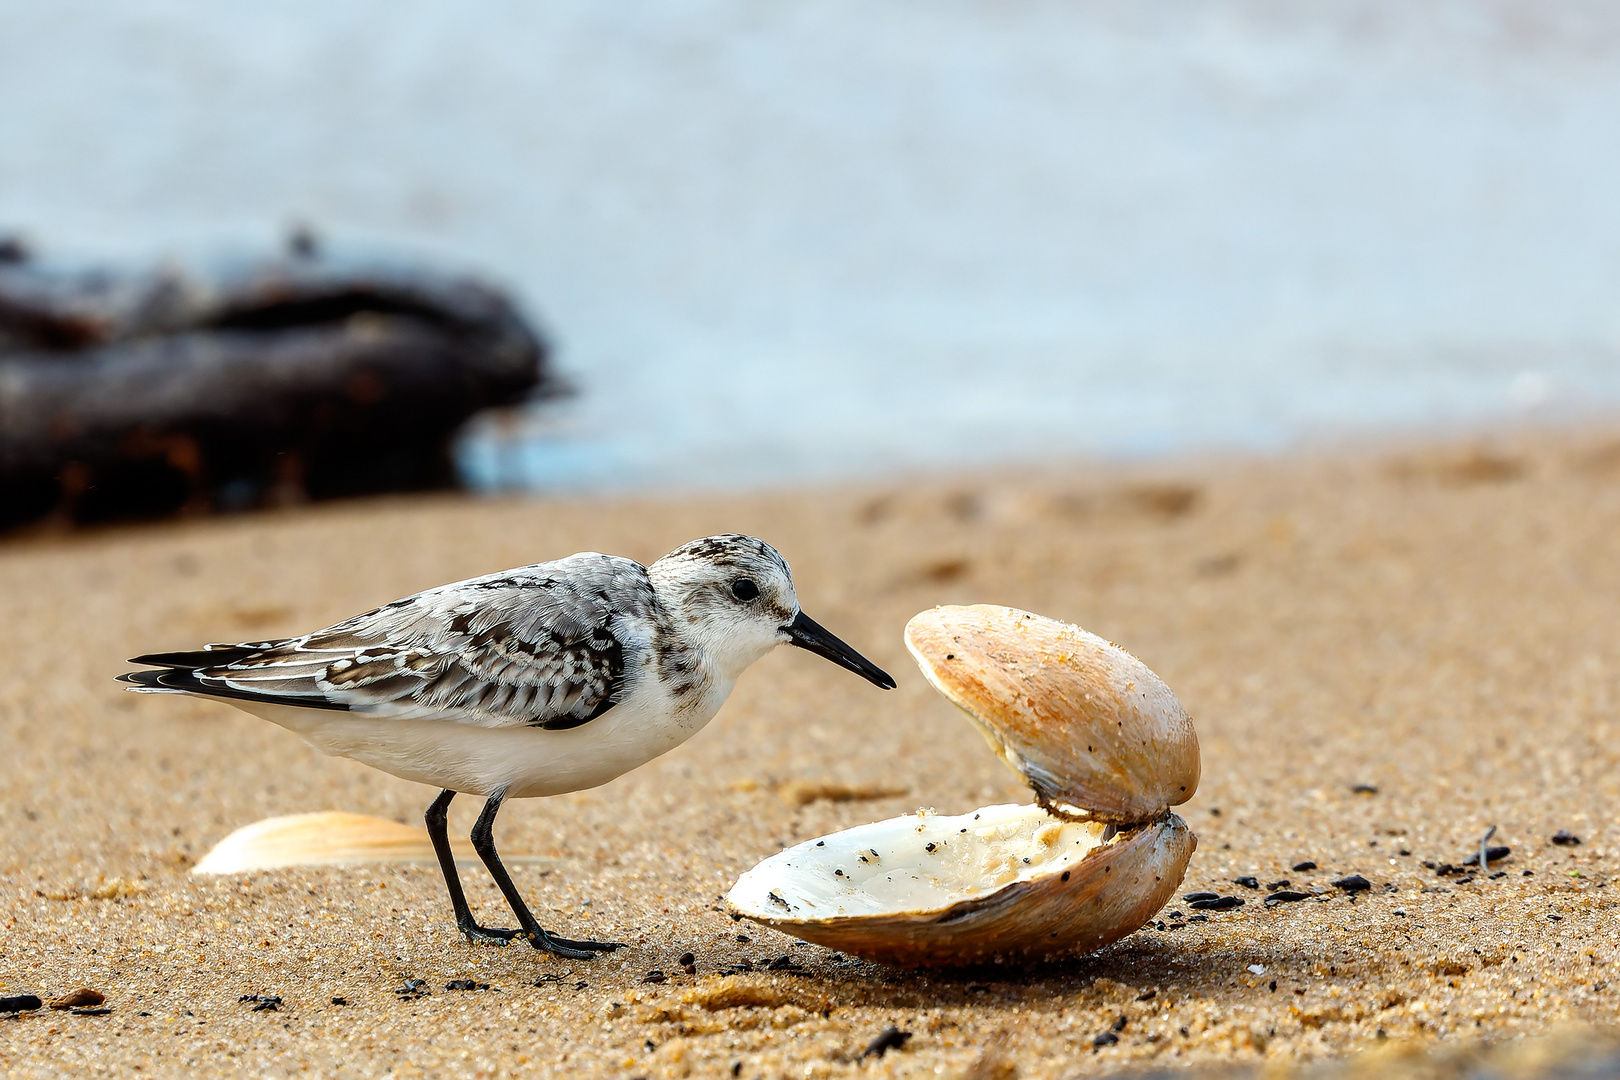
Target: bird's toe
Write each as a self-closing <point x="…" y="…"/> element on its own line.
<point x="488" y="935"/>
<point x="546" y="943"/>
<point x="591" y="946"/>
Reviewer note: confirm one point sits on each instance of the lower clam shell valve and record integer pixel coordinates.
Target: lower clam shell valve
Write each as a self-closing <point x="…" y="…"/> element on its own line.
<point x="1106" y="748"/>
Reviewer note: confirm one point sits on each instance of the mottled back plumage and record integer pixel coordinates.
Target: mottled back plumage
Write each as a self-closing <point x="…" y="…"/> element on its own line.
<point x="543" y="645"/>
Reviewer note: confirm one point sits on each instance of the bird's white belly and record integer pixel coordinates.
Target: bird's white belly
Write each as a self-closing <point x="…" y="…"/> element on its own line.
<point x="527" y="761"/>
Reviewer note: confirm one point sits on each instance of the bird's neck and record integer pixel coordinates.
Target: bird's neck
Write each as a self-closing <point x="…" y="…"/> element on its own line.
<point x="688" y="673"/>
<point x="721" y="649"/>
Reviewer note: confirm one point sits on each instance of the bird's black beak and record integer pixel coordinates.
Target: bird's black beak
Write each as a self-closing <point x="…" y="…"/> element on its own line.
<point x="806" y="633"/>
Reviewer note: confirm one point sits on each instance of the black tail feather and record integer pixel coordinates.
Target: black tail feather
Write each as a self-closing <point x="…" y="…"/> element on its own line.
<point x="217" y="656"/>
<point x="143" y="678"/>
<point x="183" y="680"/>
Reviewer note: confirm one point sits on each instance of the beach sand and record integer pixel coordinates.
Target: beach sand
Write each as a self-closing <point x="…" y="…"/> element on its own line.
<point x="1385" y="652"/>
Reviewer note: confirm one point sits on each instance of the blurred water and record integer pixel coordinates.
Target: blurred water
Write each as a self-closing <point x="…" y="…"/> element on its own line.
<point x="831" y="238"/>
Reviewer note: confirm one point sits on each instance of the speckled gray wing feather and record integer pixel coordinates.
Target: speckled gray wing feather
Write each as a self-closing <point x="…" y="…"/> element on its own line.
<point x="545" y="645"/>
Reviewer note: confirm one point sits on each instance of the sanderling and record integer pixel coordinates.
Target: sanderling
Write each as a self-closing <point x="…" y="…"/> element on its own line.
<point x="535" y="681"/>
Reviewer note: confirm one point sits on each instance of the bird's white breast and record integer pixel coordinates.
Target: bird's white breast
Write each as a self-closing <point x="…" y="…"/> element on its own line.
<point x="527" y="761"/>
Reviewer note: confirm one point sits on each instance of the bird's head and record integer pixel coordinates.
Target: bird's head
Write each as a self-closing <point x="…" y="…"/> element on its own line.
<point x="734" y="597"/>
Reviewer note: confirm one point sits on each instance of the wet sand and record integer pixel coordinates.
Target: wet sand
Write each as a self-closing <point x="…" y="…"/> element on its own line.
<point x="1384" y="653"/>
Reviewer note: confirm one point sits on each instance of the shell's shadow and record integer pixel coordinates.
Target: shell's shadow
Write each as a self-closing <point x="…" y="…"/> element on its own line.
<point x="1146" y="966"/>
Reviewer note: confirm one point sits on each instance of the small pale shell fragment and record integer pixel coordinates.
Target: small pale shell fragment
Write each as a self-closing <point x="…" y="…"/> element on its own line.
<point x="326" y="838"/>
<point x="329" y="838"/>
<point x="114" y="888"/>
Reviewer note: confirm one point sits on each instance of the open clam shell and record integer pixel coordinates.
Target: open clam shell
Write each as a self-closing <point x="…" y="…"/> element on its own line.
<point x="1106" y="747"/>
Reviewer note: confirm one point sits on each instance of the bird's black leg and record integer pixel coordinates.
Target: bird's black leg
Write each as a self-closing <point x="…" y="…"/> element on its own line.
<point x="437" y="813"/>
<point x="483" y="839"/>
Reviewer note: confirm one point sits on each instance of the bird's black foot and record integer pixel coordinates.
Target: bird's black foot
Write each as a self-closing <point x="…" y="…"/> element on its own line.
<point x="569" y="949"/>
<point x="590" y="946"/>
<point x="488" y="935"/>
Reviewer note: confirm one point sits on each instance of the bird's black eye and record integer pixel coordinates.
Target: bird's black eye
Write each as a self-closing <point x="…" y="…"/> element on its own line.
<point x="744" y="589"/>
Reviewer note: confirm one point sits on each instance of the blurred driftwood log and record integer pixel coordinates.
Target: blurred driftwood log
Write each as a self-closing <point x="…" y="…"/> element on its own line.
<point x="145" y="394"/>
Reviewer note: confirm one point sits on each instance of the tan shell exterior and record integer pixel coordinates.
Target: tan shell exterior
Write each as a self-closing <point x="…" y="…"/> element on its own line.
<point x="1095" y="732"/>
<point x="1110" y="893"/>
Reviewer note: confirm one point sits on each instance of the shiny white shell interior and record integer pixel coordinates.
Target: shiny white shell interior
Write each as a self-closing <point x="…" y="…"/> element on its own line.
<point x="920" y="863"/>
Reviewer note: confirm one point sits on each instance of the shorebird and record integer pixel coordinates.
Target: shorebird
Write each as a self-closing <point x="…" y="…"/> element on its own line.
<point x="536" y="681"/>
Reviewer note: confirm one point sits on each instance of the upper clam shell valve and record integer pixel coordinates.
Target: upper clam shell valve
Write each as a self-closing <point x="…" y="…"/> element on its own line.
<point x="1090" y="727"/>
<point x="1107" y="749"/>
